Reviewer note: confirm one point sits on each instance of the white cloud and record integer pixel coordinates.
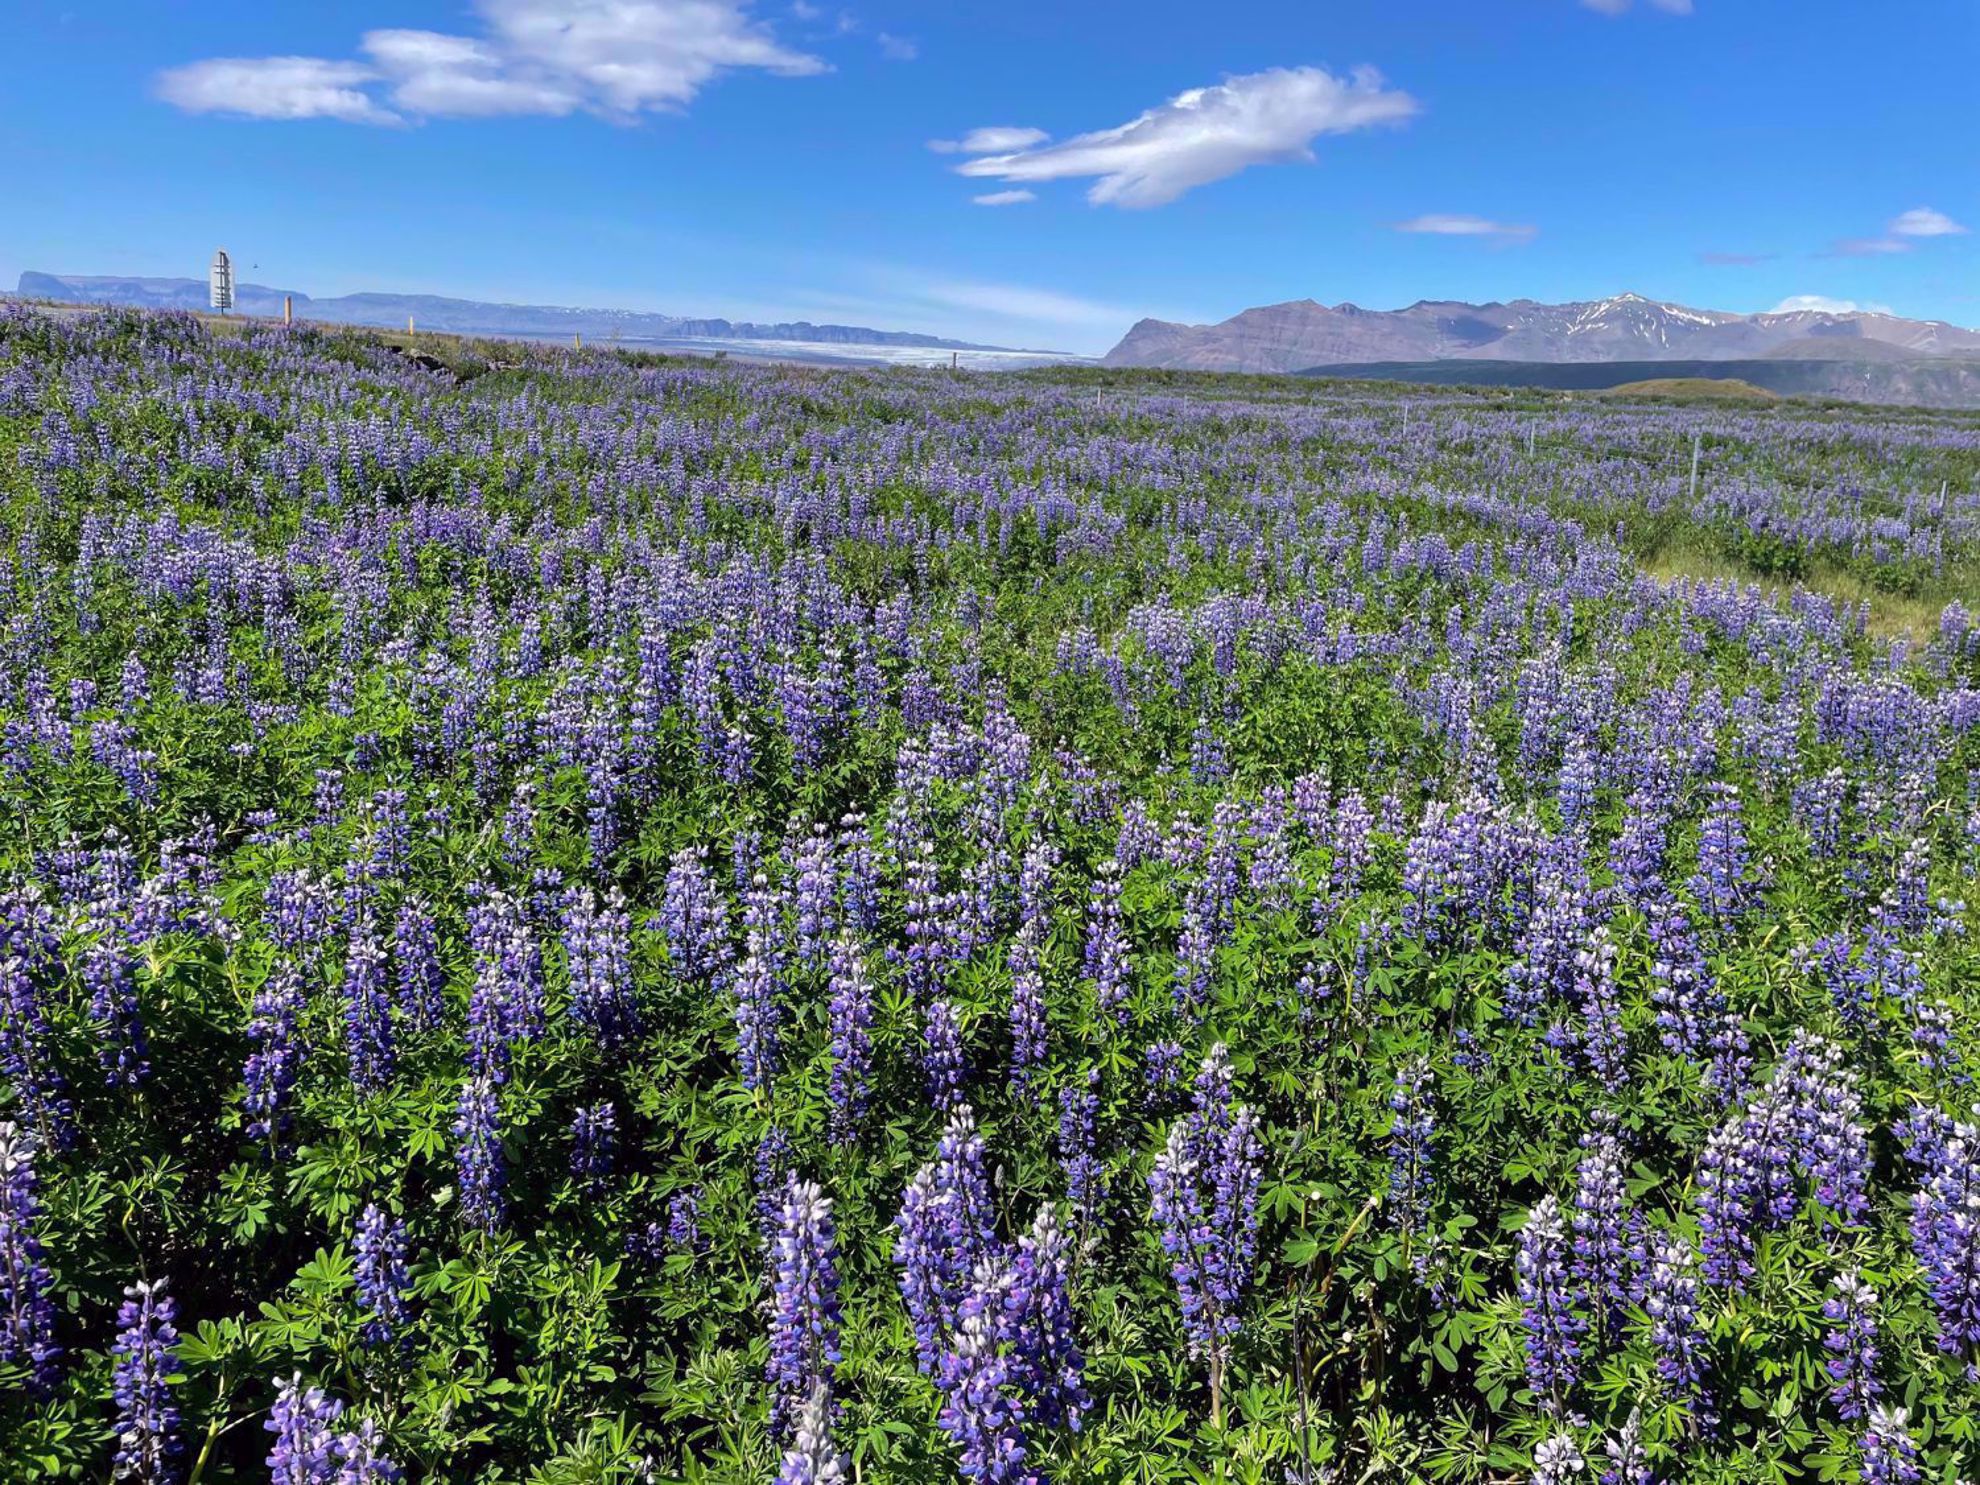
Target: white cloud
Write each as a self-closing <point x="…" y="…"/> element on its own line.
<point x="1206" y="134"/>
<point x="1922" y="221"/>
<point x="615" y="58"/>
<point x="1005" y="198"/>
<point x="1867" y="247"/>
<point x="897" y="48"/>
<point x="1617" y="7"/>
<point x="1442" y="224"/>
<point x="1899" y="234"/>
<point x="998" y="139"/>
<point x="1823" y="304"/>
<point x="1015" y="302"/>
<point x="275" y="88"/>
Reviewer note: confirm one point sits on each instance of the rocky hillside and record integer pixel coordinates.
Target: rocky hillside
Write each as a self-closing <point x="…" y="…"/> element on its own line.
<point x="1628" y="327"/>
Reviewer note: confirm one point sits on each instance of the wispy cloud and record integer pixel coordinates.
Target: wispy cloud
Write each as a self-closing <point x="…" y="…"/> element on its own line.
<point x="614" y="58"/>
<point x="276" y="88"/>
<point x="912" y="297"/>
<point x="1823" y="304"/>
<point x="1016" y="302"/>
<point x="1446" y="224"/>
<point x="1204" y="135"/>
<point x="1005" y="198"/>
<point x="1735" y="260"/>
<point x="1867" y="247"/>
<point x="995" y="140"/>
<point x="1617" y="7"/>
<point x="897" y="48"/>
<point x="1900" y="234"/>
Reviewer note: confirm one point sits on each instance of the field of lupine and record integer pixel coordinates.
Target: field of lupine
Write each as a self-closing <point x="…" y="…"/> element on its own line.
<point x="577" y="919"/>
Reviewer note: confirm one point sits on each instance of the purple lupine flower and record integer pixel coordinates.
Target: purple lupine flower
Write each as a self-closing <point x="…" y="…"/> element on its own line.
<point x="598" y="950"/>
<point x="756" y="1017"/>
<point x="480" y="1172"/>
<point x="981" y="1411"/>
<point x="1607" y="1233"/>
<point x="1728" y="1177"/>
<point x="1932" y="1037"/>
<point x="299" y="912"/>
<point x="382" y="1276"/>
<point x="367" y="1012"/>
<point x="1945" y="1238"/>
<point x="27" y="1313"/>
<point x="1204" y="1199"/>
<point x="944" y="1226"/>
<point x="1677" y="1334"/>
<point x="1575" y="795"/>
<point x="422" y="980"/>
<point x="1831" y="1138"/>
<point x="1636" y="857"/>
<point x="942" y="1057"/>
<point x="1411" y="1136"/>
<point x="1907" y="901"/>
<point x="362" y="1459"/>
<point x="693" y="919"/>
<point x="850" y="1015"/>
<point x="1817" y="806"/>
<point x="1557" y="1460"/>
<point x="769" y="1179"/>
<point x="684" y="1220"/>
<point x="147" y="1427"/>
<point x="109" y="972"/>
<point x="276" y="1061"/>
<point x="1629" y="1463"/>
<point x="859" y="875"/>
<point x="1079" y="1156"/>
<point x="306" y="1449"/>
<point x="1548" y="1313"/>
<point x="1196" y="950"/>
<point x="1850" y="981"/>
<point x="594" y="1145"/>
<point x="1109" y="963"/>
<point x="1681" y="983"/>
<point x="813" y="1459"/>
<point x="30" y="965"/>
<point x="804" y="1316"/>
<point x="1029" y="1034"/>
<point x="1037" y="1320"/>
<point x="1724" y="886"/>
<point x="924" y="960"/>
<point x="505" y="1006"/>
<point x="1603" y="1039"/>
<point x="1164" y="1065"/>
<point x="1549" y="945"/>
<point x="815" y="895"/>
<point x="1890" y="1457"/>
<point x="1852" y="1345"/>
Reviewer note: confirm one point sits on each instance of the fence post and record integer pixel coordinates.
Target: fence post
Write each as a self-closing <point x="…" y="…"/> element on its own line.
<point x="1697" y="443"/>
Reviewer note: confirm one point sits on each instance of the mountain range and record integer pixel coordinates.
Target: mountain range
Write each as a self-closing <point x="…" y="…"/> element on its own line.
<point x="1303" y="334"/>
<point x="465" y="316"/>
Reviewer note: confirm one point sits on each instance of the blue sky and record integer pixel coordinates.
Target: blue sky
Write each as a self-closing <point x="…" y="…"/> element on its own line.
<point x="812" y="160"/>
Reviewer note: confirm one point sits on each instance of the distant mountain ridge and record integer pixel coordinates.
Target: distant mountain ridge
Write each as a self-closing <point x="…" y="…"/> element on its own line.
<point x="461" y="316"/>
<point x="1303" y="334"/>
<point x="1940" y="381"/>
